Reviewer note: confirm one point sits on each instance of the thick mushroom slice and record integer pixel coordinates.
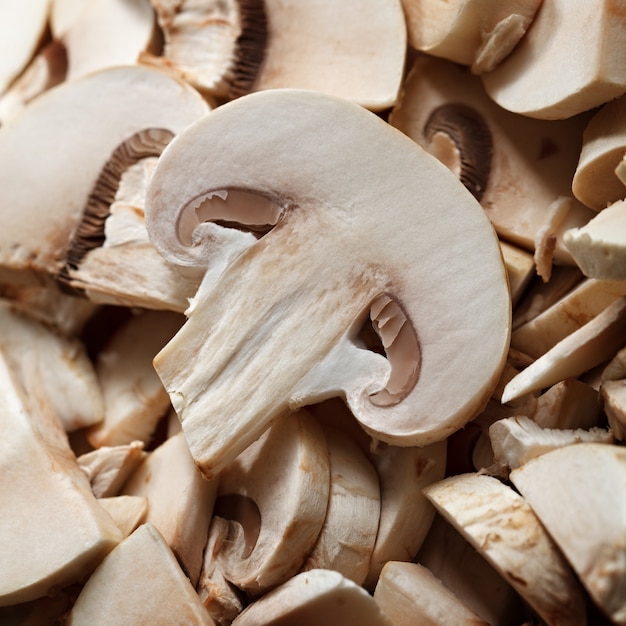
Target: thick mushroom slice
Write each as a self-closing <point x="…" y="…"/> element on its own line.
<point x="599" y="247"/>
<point x="52" y="530"/>
<point x="275" y="497"/>
<point x="470" y="32"/>
<point x="520" y="169"/>
<point x="128" y="512"/>
<point x="68" y="136"/>
<point x="313" y="598"/>
<point x="553" y="75"/>
<point x="579" y="494"/>
<point x="139" y="582"/>
<point x="230" y="48"/>
<point x="396" y="237"/>
<point x="409" y="593"/>
<point x="500" y="524"/>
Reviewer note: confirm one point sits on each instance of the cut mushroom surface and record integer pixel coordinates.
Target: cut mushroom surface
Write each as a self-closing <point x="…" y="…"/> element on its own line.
<point x="128" y="512"/>
<point x="303" y="290"/>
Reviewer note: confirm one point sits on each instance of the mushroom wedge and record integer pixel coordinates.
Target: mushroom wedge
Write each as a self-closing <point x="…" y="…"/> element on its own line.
<point x="552" y="74"/>
<point x="579" y="494"/>
<point x="367" y="223"/>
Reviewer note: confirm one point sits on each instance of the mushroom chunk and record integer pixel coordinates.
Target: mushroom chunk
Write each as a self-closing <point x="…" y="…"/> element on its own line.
<point x="369" y="223"/>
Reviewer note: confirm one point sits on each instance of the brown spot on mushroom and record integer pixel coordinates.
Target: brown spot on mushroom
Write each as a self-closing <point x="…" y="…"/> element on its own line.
<point x="469" y="132"/>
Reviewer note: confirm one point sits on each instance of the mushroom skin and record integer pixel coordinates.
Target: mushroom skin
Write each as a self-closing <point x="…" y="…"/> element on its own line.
<point x="277" y="328"/>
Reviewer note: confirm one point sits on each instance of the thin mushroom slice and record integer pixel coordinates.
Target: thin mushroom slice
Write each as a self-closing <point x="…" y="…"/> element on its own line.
<point x="180" y="500"/>
<point x="312" y="598"/>
<point x="579" y="494"/>
<point x="304" y="289"/>
<point x="41" y="481"/>
<point x="269" y="534"/>
<point x="500" y="524"/>
<point x="552" y="75"/>
<point x="409" y="593"/>
<point x="518" y="168"/>
<point x="228" y="49"/>
<point x="470" y="32"/>
<point x="599" y="247"/>
<point x="76" y="127"/>
<point x="346" y="540"/>
<point x="140" y="582"/>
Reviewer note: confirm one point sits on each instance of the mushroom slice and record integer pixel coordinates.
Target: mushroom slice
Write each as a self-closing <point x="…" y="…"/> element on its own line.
<point x="180" y="501"/>
<point x="516" y="440"/>
<point x="275" y="495"/>
<point x="409" y="593"/>
<point x="520" y="267"/>
<point x="567" y="315"/>
<point x="579" y="494"/>
<point x="312" y="598"/>
<point x="56" y="370"/>
<point x="41" y="481"/>
<point x="614" y="403"/>
<point x="109" y="467"/>
<point x="596" y="182"/>
<point x="346" y="540"/>
<point x="338" y="258"/>
<point x="519" y="169"/>
<point x="552" y="75"/>
<point x="76" y="127"/>
<point x="139" y="582"/>
<point x="470" y="32"/>
<point x="134" y="397"/>
<point x="22" y="30"/>
<point x="599" y="247"/>
<point x="128" y="512"/>
<point x="500" y="524"/>
<point x="595" y="342"/>
<point x="228" y="49"/>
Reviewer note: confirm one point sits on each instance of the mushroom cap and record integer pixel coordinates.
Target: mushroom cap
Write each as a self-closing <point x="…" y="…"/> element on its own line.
<point x="367" y="220"/>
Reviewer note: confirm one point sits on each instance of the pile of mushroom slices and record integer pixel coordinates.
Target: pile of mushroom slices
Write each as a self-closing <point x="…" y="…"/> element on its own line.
<point x="307" y="316"/>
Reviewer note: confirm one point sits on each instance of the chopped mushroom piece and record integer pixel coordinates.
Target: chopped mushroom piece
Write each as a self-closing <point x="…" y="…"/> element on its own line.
<point x="552" y="74"/>
<point x="312" y="598"/>
<point x="599" y="247"/>
<point x="409" y="593"/>
<point x="52" y="530"/>
<point x="500" y="524"/>
<point x="614" y="403"/>
<point x="520" y="169"/>
<point x="579" y="494"/>
<point x="180" y="501"/>
<point x="470" y="32"/>
<point x="140" y="582"/>
<point x="520" y="267"/>
<point x="303" y="291"/>
<point x="128" y="512"/>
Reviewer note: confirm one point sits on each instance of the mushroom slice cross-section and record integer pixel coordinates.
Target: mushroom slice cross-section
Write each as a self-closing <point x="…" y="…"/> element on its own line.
<point x="367" y="222"/>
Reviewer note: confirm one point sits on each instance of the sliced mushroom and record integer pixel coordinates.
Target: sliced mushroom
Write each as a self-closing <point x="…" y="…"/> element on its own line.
<point x="346" y="540"/>
<point x="469" y="32"/>
<point x="275" y="495"/>
<point x="128" y="512"/>
<point x="500" y="524"/>
<point x="139" y="582"/>
<point x="596" y="182"/>
<point x="409" y="593"/>
<point x="338" y="258"/>
<point x="231" y="48"/>
<point x="180" y="501"/>
<point x="553" y="75"/>
<point x="599" y="247"/>
<point x="590" y="345"/>
<point x="134" y="397"/>
<point x="312" y="598"/>
<point x="519" y="169"/>
<point x="41" y="481"/>
<point x="76" y="127"/>
<point x="520" y="267"/>
<point x="579" y="494"/>
<point x="614" y="403"/>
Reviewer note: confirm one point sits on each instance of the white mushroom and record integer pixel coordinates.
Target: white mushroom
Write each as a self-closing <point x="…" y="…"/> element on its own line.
<point x="500" y="524"/>
<point x="520" y="268"/>
<point x="128" y="512"/>
<point x="140" y="582"/>
<point x="579" y="494"/>
<point x="346" y="244"/>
